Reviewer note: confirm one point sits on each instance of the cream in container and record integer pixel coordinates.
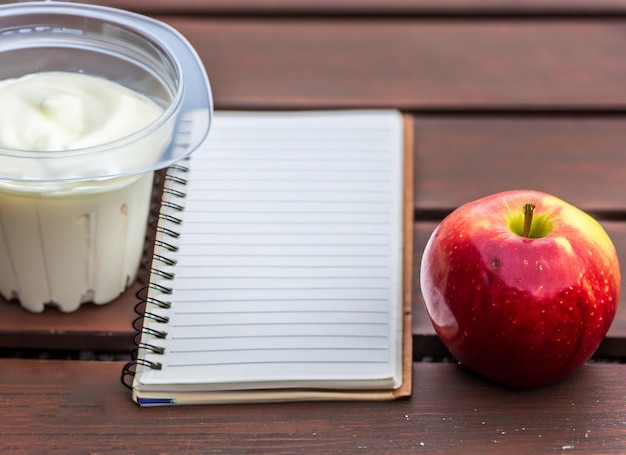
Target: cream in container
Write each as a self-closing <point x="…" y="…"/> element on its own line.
<point x="95" y="101"/>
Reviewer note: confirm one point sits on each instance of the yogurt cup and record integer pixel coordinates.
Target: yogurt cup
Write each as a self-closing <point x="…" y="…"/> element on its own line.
<point x="73" y="221"/>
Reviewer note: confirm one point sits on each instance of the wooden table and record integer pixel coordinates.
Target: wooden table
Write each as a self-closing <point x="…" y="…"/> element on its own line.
<point x="504" y="95"/>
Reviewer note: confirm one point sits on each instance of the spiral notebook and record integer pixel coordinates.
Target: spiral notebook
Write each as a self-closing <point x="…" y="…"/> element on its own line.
<point x="282" y="264"/>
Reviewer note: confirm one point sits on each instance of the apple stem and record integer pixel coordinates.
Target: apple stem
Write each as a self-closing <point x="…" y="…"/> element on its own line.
<point x="528" y="218"/>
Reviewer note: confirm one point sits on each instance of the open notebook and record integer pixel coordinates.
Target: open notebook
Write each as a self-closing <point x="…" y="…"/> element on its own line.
<point x="282" y="263"/>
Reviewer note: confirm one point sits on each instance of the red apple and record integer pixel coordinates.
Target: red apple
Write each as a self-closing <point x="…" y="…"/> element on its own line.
<point x="520" y="286"/>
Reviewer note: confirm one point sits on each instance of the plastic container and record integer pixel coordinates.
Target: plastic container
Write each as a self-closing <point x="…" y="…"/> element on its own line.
<point x="72" y="223"/>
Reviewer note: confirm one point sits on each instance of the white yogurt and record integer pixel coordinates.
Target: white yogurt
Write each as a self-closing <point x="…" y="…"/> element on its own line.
<point x="67" y="243"/>
<point x="67" y="111"/>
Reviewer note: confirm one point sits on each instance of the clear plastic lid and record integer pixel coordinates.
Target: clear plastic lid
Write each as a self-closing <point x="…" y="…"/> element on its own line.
<point x="135" y="51"/>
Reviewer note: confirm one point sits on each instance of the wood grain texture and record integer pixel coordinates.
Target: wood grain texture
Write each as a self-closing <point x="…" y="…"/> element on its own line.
<point x="410" y="64"/>
<point x="93" y="327"/>
<point x="506" y="94"/>
<point x="80" y="407"/>
<point x="579" y="159"/>
<point x="361" y="7"/>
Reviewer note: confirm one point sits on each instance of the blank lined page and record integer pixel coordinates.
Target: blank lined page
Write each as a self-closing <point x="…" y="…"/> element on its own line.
<point x="289" y="261"/>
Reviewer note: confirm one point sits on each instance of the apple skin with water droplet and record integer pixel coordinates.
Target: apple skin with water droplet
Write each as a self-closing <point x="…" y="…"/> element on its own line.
<point x="522" y="310"/>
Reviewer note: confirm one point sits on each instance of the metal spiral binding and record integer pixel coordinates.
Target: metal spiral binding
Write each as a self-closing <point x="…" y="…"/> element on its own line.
<point x="162" y="273"/>
<point x="164" y="260"/>
<point x="156" y="317"/>
<point x="152" y="348"/>
<point x="166" y="246"/>
<point x="174" y="192"/>
<point x="154" y="333"/>
<point x="172" y="205"/>
<point x="160" y="288"/>
<point x="170" y="218"/>
<point x="168" y="232"/>
<point x="169" y="202"/>
<point x="159" y="303"/>
<point x="177" y="179"/>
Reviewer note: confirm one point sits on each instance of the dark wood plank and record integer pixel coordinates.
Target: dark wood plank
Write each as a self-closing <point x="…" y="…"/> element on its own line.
<point x="81" y="407"/>
<point x="617" y="232"/>
<point x="265" y="63"/>
<point x="579" y="159"/>
<point x="360" y="7"/>
<point x="92" y="327"/>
